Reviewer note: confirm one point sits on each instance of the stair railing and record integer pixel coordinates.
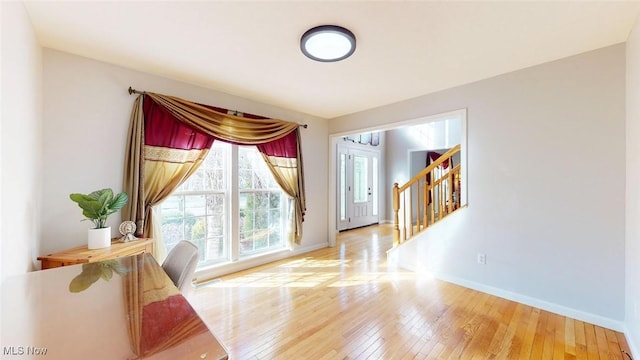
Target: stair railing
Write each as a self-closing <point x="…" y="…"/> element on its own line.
<point x="427" y="198"/>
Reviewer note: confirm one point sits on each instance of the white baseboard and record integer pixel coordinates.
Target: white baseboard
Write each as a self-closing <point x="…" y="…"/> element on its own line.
<point x="393" y="257"/>
<point x="538" y="303"/>
<point x="634" y="344"/>
<point x="215" y="271"/>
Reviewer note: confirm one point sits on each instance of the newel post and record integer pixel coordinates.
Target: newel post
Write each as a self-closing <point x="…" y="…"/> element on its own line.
<point x="396" y="208"/>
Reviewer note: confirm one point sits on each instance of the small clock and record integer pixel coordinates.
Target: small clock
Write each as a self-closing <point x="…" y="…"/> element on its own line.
<point x="127" y="229"/>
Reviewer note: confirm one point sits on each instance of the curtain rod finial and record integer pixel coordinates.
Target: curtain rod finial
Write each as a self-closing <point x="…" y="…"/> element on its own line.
<point x="134" y="91"/>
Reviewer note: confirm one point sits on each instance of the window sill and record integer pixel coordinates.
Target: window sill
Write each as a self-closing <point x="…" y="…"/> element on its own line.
<point x="211" y="272"/>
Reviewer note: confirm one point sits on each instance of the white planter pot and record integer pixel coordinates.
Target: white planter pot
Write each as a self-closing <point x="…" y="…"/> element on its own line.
<point x="99" y="238"/>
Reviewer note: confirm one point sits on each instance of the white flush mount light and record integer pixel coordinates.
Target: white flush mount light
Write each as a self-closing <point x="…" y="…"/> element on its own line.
<point x="328" y="43"/>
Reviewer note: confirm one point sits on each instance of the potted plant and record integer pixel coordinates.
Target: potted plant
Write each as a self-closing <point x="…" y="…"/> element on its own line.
<point x="97" y="206"/>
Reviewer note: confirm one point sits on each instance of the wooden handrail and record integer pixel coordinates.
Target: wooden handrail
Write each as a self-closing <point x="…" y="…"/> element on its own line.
<point x="437" y="193"/>
<point x="423" y="173"/>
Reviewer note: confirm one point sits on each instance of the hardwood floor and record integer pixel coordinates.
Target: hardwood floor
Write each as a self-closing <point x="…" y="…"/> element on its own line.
<point x="344" y="303"/>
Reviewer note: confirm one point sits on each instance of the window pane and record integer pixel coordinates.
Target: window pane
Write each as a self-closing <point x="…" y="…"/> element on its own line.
<point x="197" y="210"/>
<point x="343" y="187"/>
<point x="215" y="204"/>
<point x="173" y="220"/>
<point x="274" y="200"/>
<point x="375" y="185"/>
<point x="215" y="238"/>
<point x="261" y="205"/>
<point x="211" y="175"/>
<point x="194" y="205"/>
<point x="194" y="183"/>
<point x="215" y="180"/>
<point x="253" y="170"/>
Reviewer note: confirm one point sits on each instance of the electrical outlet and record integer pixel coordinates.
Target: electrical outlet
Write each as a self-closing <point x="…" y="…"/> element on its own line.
<point x="482" y="259"/>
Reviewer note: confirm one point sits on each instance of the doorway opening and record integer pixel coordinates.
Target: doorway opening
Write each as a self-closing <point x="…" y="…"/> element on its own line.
<point x="396" y="144"/>
<point x="358" y="187"/>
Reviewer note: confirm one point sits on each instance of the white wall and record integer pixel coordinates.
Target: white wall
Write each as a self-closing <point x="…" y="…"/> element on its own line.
<point x="21" y="142"/>
<point x="87" y="110"/>
<point x="632" y="259"/>
<point x="545" y="184"/>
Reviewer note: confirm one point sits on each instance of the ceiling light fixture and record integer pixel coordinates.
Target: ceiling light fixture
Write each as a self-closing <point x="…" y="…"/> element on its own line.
<point x="328" y="43"/>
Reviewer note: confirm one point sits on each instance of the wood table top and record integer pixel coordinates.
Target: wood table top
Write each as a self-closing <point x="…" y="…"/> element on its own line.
<point x="125" y="308"/>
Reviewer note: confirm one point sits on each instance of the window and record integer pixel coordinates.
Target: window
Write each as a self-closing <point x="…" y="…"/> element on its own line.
<point x="375" y="179"/>
<point x="261" y="203"/>
<point x="201" y="208"/>
<point x="343" y="186"/>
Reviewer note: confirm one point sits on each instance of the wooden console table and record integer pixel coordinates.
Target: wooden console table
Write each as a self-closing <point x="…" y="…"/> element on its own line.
<point x="82" y="255"/>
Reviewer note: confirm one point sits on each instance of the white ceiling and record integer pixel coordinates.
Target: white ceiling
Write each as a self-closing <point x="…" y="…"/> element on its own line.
<point x="404" y="49"/>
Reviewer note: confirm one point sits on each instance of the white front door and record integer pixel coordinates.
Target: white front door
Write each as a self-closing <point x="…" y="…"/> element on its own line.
<point x="358" y="172"/>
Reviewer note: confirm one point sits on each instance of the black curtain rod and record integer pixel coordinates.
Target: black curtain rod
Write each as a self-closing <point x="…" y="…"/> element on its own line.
<point x="134" y="91"/>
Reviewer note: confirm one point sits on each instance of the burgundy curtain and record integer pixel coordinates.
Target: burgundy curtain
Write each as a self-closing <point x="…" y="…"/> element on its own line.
<point x="433" y="156"/>
<point x="163" y="130"/>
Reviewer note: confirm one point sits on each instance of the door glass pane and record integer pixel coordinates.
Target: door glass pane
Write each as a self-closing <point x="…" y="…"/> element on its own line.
<point x="343" y="187"/>
<point x="360" y="179"/>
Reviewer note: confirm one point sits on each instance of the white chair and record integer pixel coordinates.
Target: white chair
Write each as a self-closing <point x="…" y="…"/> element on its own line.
<point x="181" y="264"/>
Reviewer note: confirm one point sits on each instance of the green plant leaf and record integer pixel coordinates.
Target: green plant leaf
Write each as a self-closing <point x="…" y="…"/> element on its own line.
<point x="119" y="201"/>
<point x="96" y="194"/>
<point x="105" y="196"/>
<point x="90" y="274"/>
<point x="106" y="272"/>
<point x="117" y="267"/>
<point x="90" y="207"/>
<point x="98" y="205"/>
<point x="120" y="269"/>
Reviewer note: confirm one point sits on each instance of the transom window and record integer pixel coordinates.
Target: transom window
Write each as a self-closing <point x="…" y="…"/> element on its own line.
<point x="231" y="207"/>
